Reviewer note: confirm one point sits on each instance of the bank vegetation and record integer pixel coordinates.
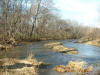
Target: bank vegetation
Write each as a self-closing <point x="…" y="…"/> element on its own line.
<point x="29" y="20"/>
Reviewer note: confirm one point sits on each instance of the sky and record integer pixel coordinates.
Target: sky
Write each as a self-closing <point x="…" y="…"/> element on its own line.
<point x="83" y="11"/>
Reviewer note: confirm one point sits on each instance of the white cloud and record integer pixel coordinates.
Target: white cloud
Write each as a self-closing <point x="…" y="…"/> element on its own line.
<point x="81" y="11"/>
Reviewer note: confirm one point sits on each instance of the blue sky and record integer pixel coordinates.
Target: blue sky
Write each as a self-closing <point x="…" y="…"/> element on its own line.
<point x="83" y="11"/>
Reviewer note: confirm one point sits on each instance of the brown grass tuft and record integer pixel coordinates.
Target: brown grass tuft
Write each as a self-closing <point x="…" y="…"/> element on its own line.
<point x="27" y="66"/>
<point x="74" y="66"/>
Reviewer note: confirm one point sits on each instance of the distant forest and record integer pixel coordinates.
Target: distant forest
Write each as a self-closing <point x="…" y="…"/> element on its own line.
<point x="38" y="20"/>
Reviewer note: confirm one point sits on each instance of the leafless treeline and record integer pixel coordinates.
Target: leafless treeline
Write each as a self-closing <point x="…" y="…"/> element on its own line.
<point x="34" y="19"/>
<point x="21" y="18"/>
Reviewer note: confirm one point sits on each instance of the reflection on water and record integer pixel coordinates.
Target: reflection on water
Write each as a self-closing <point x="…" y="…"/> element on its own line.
<point x="88" y="53"/>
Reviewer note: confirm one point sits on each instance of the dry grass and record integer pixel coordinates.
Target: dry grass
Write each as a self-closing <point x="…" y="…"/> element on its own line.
<point x="52" y="44"/>
<point x="94" y="42"/>
<point x="6" y="47"/>
<point x="22" y="71"/>
<point x="11" y="66"/>
<point x="74" y="66"/>
<point x="57" y="46"/>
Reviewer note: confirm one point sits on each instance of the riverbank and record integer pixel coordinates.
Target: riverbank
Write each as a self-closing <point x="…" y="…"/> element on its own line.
<point x="27" y="66"/>
<point x="95" y="42"/>
<point x="7" y="44"/>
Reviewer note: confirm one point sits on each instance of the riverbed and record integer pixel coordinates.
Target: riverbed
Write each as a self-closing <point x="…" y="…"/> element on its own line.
<point x="88" y="53"/>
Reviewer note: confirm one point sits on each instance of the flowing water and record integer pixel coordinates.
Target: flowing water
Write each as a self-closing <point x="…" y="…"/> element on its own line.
<point x="88" y="53"/>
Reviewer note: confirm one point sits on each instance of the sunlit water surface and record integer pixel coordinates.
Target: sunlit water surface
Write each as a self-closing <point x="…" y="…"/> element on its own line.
<point x="88" y="53"/>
